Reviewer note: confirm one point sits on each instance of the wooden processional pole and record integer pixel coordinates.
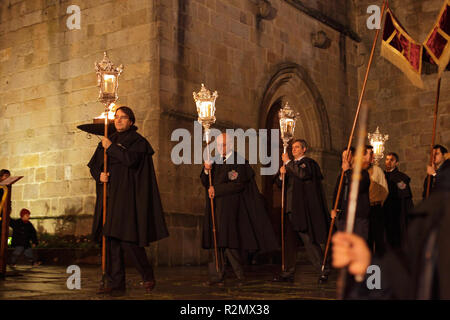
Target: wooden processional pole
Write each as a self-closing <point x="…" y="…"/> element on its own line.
<point x="433" y="138"/>
<point x="336" y="203"/>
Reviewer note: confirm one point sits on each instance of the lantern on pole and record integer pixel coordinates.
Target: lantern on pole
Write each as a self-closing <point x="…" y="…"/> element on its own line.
<point x="287" y="118"/>
<point x="206" y="109"/>
<point x="377" y="141"/>
<point x="108" y="82"/>
<point x="206" y="106"/>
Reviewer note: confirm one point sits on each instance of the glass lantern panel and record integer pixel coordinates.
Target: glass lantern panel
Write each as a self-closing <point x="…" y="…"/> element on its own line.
<point x="206" y="109"/>
<point x="109" y="82"/>
<point x="290" y="126"/>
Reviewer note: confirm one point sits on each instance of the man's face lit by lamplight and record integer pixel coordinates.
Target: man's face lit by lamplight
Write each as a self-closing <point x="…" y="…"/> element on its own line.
<point x="390" y="162"/>
<point x="224" y="145"/>
<point x="298" y="150"/>
<point x="438" y="157"/>
<point x="121" y="121"/>
<point x="368" y="158"/>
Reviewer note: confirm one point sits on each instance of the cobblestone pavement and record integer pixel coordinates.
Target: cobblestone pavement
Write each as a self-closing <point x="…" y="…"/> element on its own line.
<point x="173" y="283"/>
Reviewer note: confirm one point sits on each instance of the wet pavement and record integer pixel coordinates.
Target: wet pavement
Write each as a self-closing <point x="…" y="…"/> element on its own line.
<point x="173" y="283"/>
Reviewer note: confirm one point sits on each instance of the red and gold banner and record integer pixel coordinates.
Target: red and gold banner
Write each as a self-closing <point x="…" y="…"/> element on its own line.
<point x="401" y="49"/>
<point x="437" y="44"/>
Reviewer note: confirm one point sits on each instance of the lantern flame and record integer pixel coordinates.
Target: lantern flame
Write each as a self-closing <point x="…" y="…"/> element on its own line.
<point x="111" y="112"/>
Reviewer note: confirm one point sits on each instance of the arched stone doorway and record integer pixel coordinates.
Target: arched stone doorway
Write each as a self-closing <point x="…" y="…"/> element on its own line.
<point x="292" y="83"/>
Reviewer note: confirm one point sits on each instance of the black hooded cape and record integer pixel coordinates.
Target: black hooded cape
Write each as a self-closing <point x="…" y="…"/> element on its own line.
<point x="242" y="221"/>
<point x="134" y="210"/>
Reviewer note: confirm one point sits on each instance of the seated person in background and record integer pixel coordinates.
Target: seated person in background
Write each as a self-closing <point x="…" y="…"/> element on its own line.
<point x="23" y="233"/>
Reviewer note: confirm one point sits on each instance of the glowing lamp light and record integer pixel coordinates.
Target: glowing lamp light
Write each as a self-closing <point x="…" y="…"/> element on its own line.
<point x="109" y="114"/>
<point x="107" y="80"/>
<point x="287" y="118"/>
<point x="206" y="106"/>
<point x="377" y="141"/>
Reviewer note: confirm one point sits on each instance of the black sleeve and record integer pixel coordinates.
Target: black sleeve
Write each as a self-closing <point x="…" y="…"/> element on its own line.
<point x="127" y="157"/>
<point x="34" y="238"/>
<point x="96" y="163"/>
<point x="205" y="178"/>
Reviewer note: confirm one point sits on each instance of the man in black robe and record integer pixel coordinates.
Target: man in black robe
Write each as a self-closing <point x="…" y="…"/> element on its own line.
<point x="306" y="210"/>
<point x="134" y="215"/>
<point x="241" y="219"/>
<point x="398" y="203"/>
<point x="361" y="226"/>
<point x="439" y="171"/>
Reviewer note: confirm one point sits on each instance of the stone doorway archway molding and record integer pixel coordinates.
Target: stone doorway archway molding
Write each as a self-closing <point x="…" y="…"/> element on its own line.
<point x="291" y="82"/>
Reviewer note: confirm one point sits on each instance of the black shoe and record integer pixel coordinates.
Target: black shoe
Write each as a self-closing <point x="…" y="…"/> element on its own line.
<point x="323" y="278"/>
<point x="280" y="278"/>
<point x="149" y="285"/>
<point x="240" y="281"/>
<point x="36" y="263"/>
<point x="214" y="283"/>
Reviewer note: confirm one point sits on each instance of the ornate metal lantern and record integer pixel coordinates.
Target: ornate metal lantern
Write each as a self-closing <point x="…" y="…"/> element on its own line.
<point x="206" y="106"/>
<point x="107" y="80"/>
<point x="377" y="141"/>
<point x="287" y="118"/>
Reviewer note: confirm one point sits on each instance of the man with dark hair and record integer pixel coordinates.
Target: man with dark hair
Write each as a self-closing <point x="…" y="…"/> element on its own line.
<point x="4" y="174"/>
<point x="134" y="212"/>
<point x="361" y="225"/>
<point x="439" y="172"/>
<point x="306" y="210"/>
<point x="378" y="193"/>
<point x="398" y="203"/>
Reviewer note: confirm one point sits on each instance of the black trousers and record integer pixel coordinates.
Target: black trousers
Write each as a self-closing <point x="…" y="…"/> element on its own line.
<point x="233" y="256"/>
<point x="313" y="250"/>
<point x="377" y="242"/>
<point x="115" y="264"/>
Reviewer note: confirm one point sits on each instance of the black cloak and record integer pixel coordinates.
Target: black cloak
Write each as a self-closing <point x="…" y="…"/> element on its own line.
<point x="134" y="210"/>
<point x="309" y="207"/>
<point x="415" y="271"/>
<point x="242" y="221"/>
<point x="397" y="206"/>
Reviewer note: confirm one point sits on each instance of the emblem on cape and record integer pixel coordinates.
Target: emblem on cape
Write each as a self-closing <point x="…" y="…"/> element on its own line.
<point x="232" y="175"/>
<point x="303" y="165"/>
<point x="401" y="185"/>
